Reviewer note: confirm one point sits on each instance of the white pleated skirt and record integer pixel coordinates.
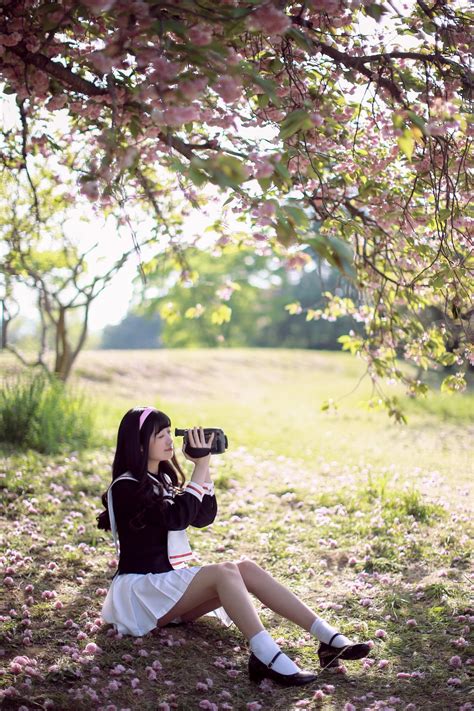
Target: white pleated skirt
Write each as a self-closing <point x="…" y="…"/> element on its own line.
<point x="135" y="601"/>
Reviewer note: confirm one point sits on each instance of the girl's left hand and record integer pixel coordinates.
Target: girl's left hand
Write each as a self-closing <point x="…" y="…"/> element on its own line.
<point x="200" y="449"/>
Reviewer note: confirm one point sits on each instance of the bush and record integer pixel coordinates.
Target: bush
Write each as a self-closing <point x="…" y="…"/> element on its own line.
<point x="43" y="414"/>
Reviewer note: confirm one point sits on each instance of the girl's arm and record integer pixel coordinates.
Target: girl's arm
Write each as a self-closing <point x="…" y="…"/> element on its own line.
<point x="208" y="511"/>
<point x="174" y="517"/>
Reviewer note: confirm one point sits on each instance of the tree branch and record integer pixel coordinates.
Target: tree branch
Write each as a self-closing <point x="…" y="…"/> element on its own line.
<point x="64" y="74"/>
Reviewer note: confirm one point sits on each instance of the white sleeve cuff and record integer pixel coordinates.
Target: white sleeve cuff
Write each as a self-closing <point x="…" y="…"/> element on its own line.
<point x="209" y="488"/>
<point x="195" y="489"/>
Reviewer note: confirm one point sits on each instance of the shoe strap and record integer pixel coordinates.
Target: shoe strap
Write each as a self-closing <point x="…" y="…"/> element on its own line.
<point x="274" y="658"/>
<point x="338" y="634"/>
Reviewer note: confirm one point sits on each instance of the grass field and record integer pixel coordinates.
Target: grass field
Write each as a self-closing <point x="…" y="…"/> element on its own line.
<point x="367" y="521"/>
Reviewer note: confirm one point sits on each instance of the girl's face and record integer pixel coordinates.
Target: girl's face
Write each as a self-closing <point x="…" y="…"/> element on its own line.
<point x="161" y="446"/>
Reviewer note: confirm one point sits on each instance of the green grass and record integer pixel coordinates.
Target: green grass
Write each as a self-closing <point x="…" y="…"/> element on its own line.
<point x="366" y="521"/>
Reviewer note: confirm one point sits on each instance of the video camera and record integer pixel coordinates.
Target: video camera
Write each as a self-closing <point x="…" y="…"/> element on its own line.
<point x="219" y="444"/>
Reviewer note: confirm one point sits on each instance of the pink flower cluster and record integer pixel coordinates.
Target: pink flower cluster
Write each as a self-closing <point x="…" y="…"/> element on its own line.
<point x="268" y="19"/>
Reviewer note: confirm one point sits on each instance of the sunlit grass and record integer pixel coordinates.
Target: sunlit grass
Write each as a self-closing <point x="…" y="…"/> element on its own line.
<point x="364" y="520"/>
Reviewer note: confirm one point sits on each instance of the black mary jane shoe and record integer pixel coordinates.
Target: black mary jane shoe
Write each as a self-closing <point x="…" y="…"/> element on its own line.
<point x="259" y="671"/>
<point x="329" y="656"/>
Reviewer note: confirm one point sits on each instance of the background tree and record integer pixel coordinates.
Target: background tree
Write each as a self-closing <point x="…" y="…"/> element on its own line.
<point x="134" y="331"/>
<point x="45" y="256"/>
<point x="239" y="297"/>
<point x="308" y="114"/>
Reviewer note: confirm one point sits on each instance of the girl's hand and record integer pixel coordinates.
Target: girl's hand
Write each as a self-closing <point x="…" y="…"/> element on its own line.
<point x="197" y="440"/>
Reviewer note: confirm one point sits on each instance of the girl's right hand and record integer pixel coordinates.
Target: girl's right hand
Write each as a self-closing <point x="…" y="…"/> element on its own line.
<point x="197" y="440"/>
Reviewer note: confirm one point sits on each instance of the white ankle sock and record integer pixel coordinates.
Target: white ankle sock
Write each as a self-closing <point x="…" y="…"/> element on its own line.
<point x="264" y="647"/>
<point x="323" y="631"/>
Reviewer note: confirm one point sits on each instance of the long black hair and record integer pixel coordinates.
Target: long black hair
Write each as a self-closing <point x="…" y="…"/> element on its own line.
<point x="131" y="456"/>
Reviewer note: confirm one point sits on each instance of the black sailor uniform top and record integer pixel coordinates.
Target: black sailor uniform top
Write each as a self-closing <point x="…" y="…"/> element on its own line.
<point x="145" y="549"/>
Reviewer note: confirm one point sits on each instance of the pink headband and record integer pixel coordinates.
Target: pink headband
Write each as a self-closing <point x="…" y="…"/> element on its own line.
<point x="144" y="415"/>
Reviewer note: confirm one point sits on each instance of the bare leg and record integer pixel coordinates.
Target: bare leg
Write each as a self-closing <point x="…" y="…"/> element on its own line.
<point x="200" y="610"/>
<point x="222" y="580"/>
<point x="275" y="595"/>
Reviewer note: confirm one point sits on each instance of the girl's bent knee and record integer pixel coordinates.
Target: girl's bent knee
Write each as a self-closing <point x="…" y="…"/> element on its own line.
<point x="248" y="565"/>
<point x="229" y="567"/>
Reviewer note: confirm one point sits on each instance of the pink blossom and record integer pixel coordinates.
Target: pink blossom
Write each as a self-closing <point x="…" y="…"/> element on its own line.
<point x="317" y="119"/>
<point x="254" y="706"/>
<point x="381" y="634"/>
<point x="229" y="88"/>
<point x="134" y="683"/>
<point x="101" y="62"/>
<point x="318" y="695"/>
<point x="349" y="707"/>
<point x="57" y="102"/>
<point x="264" y="169"/>
<point x="92" y="648"/>
<point x="117" y="670"/>
<point x="177" y="115"/>
<point x="192" y="88"/>
<point x="208" y="705"/>
<point x="90" y="189"/>
<point x="411" y="623"/>
<point x="454" y="681"/>
<point x="10" y="40"/>
<point x="48" y="594"/>
<point x="455" y="662"/>
<point x="383" y="663"/>
<point x="8" y="581"/>
<point x="269" y="20"/>
<point x="165" y="70"/>
<point x="200" y="35"/>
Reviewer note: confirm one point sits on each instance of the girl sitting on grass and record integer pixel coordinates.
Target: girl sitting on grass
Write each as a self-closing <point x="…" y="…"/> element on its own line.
<point x="149" y="506"/>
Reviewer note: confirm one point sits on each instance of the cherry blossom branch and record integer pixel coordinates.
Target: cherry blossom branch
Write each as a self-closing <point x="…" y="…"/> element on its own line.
<point x="64" y="74"/>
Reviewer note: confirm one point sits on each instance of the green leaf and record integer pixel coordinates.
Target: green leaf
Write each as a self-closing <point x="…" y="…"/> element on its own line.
<point x="294" y="308"/>
<point x="268" y="85"/>
<point x="197" y="176"/>
<point x="283" y="172"/>
<point x="285" y="232"/>
<point x="300" y="39"/>
<point x="221" y="315"/>
<point x="265" y="183"/>
<point x="298" y="120"/>
<point x="335" y="251"/>
<point x="299" y="217"/>
<point x="375" y="11"/>
<point x="406" y="143"/>
<point x="417" y="120"/>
